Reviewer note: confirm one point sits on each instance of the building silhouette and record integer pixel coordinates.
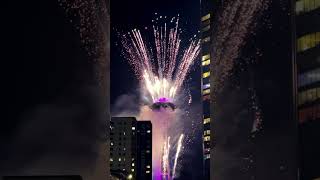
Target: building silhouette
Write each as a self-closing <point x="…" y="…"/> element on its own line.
<point x="144" y="150"/>
<point x="123" y="144"/>
<point x="308" y="85"/>
<point x="130" y="148"/>
<point x="208" y="12"/>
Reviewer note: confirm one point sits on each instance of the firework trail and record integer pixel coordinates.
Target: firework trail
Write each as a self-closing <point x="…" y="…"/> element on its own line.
<point x="165" y="158"/>
<point x="156" y="65"/>
<point x="177" y="155"/>
<point x="257" y="111"/>
<point x="233" y="25"/>
<point x="236" y="21"/>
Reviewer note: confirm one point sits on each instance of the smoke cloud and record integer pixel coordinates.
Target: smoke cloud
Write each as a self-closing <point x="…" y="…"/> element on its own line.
<point x="55" y="121"/>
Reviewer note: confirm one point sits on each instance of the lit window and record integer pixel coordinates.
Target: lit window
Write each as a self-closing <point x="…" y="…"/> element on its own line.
<point x="206" y="74"/>
<point x="132" y="170"/>
<point x="205" y="57"/>
<point x="206" y="62"/>
<point x="308" y="41"/>
<point x="148" y="131"/>
<point x="206" y="22"/>
<point x="133" y="128"/>
<point x="148" y="172"/>
<point x="206" y="28"/>
<point x="207" y="156"/>
<point x="207" y="132"/>
<point x="206" y="138"/>
<point x="206" y="17"/>
<point x="124" y="133"/>
<point x="148" y="167"/>
<point x="111" y="143"/>
<point x="303" y="6"/>
<point x="299" y="7"/>
<point x="206" y="39"/>
<point x="309" y="95"/>
<point x="120" y="159"/>
<point x="111" y="159"/>
<point x="132" y="164"/>
<point x="148" y="151"/>
<point x="206" y="86"/>
<point x="309" y="77"/>
<point x="206" y="121"/>
<point x="206" y="91"/>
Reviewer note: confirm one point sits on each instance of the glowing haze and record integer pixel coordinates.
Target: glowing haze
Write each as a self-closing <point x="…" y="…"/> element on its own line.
<point x="161" y="65"/>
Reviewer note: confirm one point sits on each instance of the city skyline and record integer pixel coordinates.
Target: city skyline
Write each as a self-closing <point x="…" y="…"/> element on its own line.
<point x="246" y="108"/>
<point x="259" y="113"/>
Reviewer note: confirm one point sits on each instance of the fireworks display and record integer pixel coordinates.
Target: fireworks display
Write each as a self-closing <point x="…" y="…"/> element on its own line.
<point x="161" y="65"/>
<point x="163" y="62"/>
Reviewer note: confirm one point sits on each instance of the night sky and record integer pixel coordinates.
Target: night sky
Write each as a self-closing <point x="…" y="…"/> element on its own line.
<point x="126" y="15"/>
<point x="53" y="117"/>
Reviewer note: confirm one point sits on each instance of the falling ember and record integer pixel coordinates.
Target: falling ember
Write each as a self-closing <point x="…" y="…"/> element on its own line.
<point x="234" y="24"/>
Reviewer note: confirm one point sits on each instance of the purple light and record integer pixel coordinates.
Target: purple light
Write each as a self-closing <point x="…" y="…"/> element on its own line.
<point x="163" y="100"/>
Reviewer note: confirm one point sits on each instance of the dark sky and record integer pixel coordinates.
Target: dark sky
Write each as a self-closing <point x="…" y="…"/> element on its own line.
<point x="126" y="15"/>
<point x="51" y="117"/>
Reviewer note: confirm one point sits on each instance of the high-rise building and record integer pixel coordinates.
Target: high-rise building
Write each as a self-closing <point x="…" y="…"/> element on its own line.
<point x="308" y="69"/>
<point x="144" y="150"/>
<point x="123" y="144"/>
<point x="208" y="8"/>
<point x="130" y="148"/>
